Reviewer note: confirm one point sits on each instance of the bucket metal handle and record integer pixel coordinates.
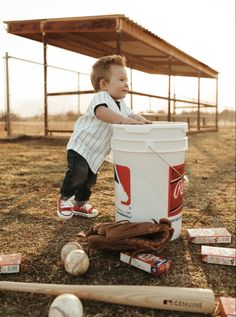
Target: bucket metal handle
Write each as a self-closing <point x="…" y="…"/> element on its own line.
<point x="149" y="144"/>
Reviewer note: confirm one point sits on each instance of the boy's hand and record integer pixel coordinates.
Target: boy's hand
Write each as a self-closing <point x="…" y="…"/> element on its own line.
<point x="141" y="119"/>
<point x="131" y="121"/>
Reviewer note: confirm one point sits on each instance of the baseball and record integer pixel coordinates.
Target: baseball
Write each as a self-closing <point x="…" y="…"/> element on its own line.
<point x="66" y="305"/>
<point x="76" y="262"/>
<point x="67" y="248"/>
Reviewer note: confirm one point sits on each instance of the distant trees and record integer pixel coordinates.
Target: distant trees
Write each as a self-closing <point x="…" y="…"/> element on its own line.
<point x="13" y="117"/>
<point x="68" y="116"/>
<point x="225" y="115"/>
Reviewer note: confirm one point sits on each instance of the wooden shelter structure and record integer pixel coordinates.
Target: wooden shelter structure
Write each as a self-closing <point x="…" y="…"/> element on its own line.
<point x="96" y="36"/>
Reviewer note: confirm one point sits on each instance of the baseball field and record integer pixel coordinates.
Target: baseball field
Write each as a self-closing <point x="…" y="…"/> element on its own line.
<point x="31" y="173"/>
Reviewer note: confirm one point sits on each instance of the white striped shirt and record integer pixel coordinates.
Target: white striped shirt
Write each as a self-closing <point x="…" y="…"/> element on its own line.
<point x="91" y="137"/>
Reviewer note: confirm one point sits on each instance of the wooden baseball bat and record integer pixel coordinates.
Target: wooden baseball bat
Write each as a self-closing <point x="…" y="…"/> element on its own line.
<point x="197" y="300"/>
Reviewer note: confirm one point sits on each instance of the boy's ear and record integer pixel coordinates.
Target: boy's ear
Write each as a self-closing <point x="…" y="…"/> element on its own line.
<point x="103" y="84"/>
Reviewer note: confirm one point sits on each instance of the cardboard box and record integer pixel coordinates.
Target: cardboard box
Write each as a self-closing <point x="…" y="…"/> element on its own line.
<point x="10" y="263"/>
<point x="148" y="262"/>
<point x="209" y="235"/>
<point x="227" y="306"/>
<point x="216" y="255"/>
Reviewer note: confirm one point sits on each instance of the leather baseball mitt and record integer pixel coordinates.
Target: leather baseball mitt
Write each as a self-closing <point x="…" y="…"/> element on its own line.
<point x="130" y="236"/>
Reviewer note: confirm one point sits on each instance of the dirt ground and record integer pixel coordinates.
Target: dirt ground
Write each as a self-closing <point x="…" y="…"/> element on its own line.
<point x="31" y="174"/>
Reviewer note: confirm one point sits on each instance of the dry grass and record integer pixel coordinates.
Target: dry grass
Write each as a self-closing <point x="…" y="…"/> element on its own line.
<point x="31" y="174"/>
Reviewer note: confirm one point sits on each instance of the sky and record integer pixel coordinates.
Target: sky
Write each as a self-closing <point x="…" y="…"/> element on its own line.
<point x="204" y="29"/>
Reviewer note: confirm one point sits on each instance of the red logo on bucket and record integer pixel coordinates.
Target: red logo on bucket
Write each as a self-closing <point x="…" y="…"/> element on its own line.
<point x="176" y="185"/>
<point x="122" y="178"/>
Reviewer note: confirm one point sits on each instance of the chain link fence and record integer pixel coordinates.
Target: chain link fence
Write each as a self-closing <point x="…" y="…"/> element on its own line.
<point x="24" y="111"/>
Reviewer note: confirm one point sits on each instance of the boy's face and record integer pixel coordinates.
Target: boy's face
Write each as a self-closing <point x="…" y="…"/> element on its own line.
<point x="117" y="87"/>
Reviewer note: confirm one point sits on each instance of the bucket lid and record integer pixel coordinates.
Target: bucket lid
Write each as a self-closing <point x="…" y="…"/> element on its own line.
<point x="146" y="128"/>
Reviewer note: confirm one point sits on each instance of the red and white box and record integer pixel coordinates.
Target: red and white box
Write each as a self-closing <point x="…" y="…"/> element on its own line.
<point x="216" y="255"/>
<point x="147" y="262"/>
<point x="10" y="263"/>
<point x="209" y="235"/>
<point x="227" y="306"/>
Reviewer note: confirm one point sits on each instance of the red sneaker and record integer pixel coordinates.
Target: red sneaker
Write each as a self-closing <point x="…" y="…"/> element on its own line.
<point x="85" y="210"/>
<point x="65" y="208"/>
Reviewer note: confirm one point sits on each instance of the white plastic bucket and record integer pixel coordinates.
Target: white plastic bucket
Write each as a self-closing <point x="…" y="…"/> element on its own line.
<point x="149" y="169"/>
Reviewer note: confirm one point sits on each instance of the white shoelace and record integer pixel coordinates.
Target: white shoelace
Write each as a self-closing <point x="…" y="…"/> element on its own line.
<point x="66" y="203"/>
<point x="87" y="206"/>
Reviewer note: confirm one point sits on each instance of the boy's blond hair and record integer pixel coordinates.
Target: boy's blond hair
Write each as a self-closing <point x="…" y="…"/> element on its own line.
<point x="101" y="69"/>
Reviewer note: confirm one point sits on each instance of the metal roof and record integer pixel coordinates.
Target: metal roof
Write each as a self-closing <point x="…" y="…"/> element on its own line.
<point x="98" y="36"/>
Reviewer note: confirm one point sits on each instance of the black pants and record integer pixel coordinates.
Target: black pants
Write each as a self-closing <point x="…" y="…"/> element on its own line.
<point x="79" y="178"/>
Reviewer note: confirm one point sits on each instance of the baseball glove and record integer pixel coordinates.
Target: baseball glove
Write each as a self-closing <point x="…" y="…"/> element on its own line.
<point x="130" y="236"/>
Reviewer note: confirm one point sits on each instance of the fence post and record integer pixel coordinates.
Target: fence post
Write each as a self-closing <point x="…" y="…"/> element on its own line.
<point x="131" y="88"/>
<point x="8" y="108"/>
<point x="45" y="83"/>
<point x="78" y="93"/>
<point x="198" y="104"/>
<point x="169" y="89"/>
<point x="217" y="111"/>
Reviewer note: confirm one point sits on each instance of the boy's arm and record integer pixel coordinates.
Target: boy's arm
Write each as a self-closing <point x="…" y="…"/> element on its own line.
<point x="140" y="118"/>
<point x="107" y="115"/>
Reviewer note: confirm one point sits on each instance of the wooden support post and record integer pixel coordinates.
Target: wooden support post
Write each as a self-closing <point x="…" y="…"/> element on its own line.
<point x="188" y="121"/>
<point x="198" y="105"/>
<point x="169" y="89"/>
<point x="131" y="88"/>
<point x="45" y="83"/>
<point x="78" y="94"/>
<point x="217" y="118"/>
<point x="8" y="109"/>
<point x="174" y="101"/>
